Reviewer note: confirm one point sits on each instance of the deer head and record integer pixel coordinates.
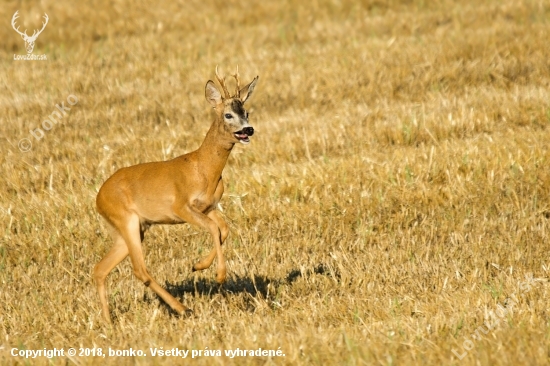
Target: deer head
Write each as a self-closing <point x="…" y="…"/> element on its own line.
<point x="29" y="41"/>
<point x="229" y="108"/>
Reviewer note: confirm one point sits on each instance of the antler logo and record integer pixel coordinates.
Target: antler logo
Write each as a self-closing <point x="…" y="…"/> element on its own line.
<point x="29" y="41"/>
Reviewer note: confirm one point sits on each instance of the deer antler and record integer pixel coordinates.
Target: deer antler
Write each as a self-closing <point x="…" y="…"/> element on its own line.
<point x="13" y="19"/>
<point x="35" y="35"/>
<point x="222" y="83"/>
<point x="238" y="87"/>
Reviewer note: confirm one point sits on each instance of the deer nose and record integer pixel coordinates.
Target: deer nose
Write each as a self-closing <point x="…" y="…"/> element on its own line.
<point x="249" y="131"/>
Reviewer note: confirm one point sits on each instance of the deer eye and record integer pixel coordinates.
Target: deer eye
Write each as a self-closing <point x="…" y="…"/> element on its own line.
<point x="228" y="116"/>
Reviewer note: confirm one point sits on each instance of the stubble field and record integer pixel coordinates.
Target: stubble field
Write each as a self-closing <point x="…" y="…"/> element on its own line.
<point x="393" y="207"/>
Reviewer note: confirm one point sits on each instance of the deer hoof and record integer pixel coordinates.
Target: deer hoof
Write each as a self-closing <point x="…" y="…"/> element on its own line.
<point x="188" y="313"/>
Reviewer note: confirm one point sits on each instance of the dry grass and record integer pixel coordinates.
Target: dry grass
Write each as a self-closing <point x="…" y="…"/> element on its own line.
<point x="396" y="191"/>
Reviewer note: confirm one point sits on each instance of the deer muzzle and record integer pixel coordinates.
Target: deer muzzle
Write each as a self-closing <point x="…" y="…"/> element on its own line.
<point x="244" y="134"/>
<point x="248" y="130"/>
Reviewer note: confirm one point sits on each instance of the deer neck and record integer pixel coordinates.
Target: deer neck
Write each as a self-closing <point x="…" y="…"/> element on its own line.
<point x="214" y="151"/>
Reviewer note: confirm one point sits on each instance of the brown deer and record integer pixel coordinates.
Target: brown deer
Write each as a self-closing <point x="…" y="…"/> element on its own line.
<point x="184" y="189"/>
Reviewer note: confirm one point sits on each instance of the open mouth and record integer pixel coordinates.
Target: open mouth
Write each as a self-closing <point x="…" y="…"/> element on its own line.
<point x="244" y="134"/>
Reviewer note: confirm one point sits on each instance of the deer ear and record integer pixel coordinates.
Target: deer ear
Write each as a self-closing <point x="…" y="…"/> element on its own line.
<point x="246" y="92"/>
<point x="212" y="94"/>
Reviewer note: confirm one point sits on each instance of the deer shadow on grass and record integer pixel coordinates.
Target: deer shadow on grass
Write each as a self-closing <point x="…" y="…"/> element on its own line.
<point x="256" y="286"/>
<point x="253" y="285"/>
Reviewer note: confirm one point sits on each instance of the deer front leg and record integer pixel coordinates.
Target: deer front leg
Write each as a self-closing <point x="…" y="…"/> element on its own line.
<point x="196" y="217"/>
<point x="224" y="230"/>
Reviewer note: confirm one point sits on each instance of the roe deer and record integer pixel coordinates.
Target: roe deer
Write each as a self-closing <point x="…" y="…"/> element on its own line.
<point x="184" y="189"/>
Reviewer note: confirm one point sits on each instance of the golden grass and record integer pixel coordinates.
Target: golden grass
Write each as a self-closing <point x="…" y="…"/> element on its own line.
<point x="395" y="193"/>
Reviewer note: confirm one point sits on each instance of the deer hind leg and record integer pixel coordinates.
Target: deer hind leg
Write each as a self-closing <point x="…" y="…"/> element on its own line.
<point x="224" y="231"/>
<point x="132" y="235"/>
<point x="118" y="252"/>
